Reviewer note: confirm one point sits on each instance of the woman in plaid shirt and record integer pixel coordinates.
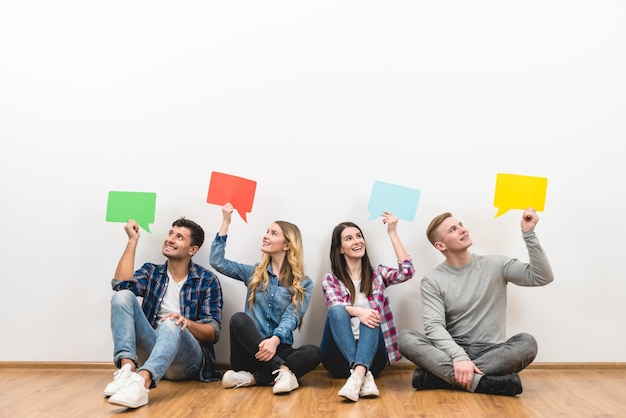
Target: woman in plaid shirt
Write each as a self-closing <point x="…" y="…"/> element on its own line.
<point x="360" y="336"/>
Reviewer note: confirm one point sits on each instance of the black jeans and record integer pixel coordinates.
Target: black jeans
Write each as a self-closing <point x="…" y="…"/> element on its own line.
<point x="244" y="344"/>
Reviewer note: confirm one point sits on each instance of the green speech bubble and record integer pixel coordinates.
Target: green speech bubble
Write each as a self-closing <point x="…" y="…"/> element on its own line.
<point x="139" y="206"/>
<point x="519" y="192"/>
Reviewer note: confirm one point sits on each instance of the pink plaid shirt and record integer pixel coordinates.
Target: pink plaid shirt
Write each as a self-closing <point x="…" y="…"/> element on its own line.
<point x="336" y="293"/>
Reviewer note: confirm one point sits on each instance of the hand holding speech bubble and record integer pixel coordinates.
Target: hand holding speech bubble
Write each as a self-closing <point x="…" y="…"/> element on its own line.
<point x="224" y="188"/>
<point x="140" y="206"/>
<point x="401" y="201"/>
<point x="515" y="191"/>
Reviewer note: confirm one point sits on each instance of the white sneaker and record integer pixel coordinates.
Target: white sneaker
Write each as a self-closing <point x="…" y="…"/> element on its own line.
<point x="369" y="388"/>
<point x="233" y="379"/>
<point x="285" y="381"/>
<point x="119" y="378"/>
<point x="352" y="388"/>
<point x="133" y="394"/>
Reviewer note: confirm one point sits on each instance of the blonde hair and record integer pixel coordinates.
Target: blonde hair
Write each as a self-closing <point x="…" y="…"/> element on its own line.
<point x="291" y="274"/>
<point x="431" y="231"/>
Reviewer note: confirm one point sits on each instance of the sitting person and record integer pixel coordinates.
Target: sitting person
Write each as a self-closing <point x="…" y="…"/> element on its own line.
<point x="278" y="295"/>
<point x="170" y="335"/>
<point x="464" y="311"/>
<point x="359" y="337"/>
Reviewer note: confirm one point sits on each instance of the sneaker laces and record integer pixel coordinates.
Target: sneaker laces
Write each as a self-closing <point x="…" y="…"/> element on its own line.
<point x="242" y="380"/>
<point x="354" y="382"/>
<point x="120" y="372"/>
<point x="134" y="380"/>
<point x="281" y="374"/>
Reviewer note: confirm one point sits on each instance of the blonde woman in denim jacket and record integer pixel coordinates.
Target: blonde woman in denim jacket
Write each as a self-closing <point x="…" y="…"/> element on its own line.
<point x="278" y="295"/>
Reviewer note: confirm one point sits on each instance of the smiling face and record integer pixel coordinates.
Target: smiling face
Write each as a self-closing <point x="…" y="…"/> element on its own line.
<point x="177" y="245"/>
<point x="274" y="241"/>
<point x="352" y="243"/>
<point x="452" y="236"/>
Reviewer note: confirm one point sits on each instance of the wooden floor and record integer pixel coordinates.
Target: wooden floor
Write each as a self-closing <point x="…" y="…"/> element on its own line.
<point x="548" y="392"/>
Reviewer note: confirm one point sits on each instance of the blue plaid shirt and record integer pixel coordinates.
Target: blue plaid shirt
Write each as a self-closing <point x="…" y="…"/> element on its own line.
<point x="200" y="301"/>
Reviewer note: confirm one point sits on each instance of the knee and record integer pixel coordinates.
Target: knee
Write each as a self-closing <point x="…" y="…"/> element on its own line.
<point x="314" y="353"/>
<point x="404" y="336"/>
<point x="169" y="326"/>
<point x="410" y="339"/>
<point x="337" y="312"/>
<point x="238" y="320"/>
<point x="529" y="342"/>
<point x="122" y="297"/>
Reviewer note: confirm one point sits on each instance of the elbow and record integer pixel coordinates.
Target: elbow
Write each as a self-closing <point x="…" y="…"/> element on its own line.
<point x="216" y="265"/>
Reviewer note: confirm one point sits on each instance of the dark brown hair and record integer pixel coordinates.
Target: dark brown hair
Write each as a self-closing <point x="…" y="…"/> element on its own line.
<point x="197" y="233"/>
<point x="340" y="268"/>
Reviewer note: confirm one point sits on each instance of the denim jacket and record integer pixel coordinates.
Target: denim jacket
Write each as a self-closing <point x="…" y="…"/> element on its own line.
<point x="273" y="312"/>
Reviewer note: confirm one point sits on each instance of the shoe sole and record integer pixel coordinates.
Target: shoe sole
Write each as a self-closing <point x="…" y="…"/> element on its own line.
<point x="349" y="397"/>
<point x="127" y="404"/>
<point x="284" y="391"/>
<point x="369" y="394"/>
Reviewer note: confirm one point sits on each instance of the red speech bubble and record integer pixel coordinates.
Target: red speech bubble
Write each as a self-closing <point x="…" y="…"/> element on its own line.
<point x="225" y="188"/>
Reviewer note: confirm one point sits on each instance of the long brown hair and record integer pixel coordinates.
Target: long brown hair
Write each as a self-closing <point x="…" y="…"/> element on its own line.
<point x="339" y="267"/>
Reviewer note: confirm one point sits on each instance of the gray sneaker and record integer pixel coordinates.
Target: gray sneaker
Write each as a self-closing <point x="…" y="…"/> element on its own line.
<point x="285" y="381"/>
<point x="352" y="388"/>
<point x="119" y="378"/>
<point x="233" y="379"/>
<point x="133" y="394"/>
<point x="369" y="388"/>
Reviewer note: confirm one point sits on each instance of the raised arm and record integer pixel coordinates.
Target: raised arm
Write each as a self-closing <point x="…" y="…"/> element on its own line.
<point x="537" y="272"/>
<point x="392" y="229"/>
<point x="126" y="266"/>
<point x="227" y="216"/>
<point x="217" y="256"/>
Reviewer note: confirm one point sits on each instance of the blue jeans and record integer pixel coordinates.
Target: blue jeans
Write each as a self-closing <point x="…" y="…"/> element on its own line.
<point x="511" y="356"/>
<point x="165" y="352"/>
<point x="341" y="352"/>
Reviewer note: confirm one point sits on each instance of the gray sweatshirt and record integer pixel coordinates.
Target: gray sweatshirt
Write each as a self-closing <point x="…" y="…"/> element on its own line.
<point x="468" y="304"/>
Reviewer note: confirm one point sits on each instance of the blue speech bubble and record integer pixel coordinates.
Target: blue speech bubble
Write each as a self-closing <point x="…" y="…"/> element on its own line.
<point x="401" y="201"/>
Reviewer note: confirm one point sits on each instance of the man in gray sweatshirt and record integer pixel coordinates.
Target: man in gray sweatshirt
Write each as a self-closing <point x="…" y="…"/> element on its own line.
<point x="464" y="311"/>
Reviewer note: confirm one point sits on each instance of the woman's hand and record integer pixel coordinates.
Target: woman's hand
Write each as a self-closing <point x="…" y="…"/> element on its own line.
<point x="368" y="317"/>
<point x="267" y="349"/>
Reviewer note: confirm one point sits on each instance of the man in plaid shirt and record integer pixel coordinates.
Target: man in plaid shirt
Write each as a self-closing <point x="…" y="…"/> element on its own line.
<point x="171" y="332"/>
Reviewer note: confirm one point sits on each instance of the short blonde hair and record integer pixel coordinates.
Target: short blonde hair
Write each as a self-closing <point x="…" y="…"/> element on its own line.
<point x="431" y="231"/>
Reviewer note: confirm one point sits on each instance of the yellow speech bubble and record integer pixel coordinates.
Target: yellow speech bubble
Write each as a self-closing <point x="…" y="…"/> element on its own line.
<point x="514" y="191"/>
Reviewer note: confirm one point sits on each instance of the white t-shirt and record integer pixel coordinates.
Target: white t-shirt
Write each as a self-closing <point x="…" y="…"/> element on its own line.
<point x="171" y="300"/>
<point x="360" y="301"/>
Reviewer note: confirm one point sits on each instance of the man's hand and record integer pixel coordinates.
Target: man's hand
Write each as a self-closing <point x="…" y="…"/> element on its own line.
<point x="180" y="320"/>
<point x="529" y="220"/>
<point x="464" y="372"/>
<point x="132" y="229"/>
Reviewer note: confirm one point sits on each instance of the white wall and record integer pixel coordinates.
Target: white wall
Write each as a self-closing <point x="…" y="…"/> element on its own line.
<point x="314" y="102"/>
